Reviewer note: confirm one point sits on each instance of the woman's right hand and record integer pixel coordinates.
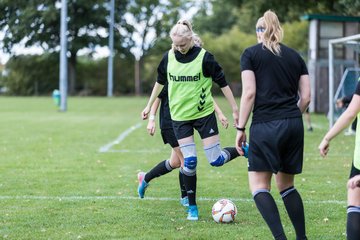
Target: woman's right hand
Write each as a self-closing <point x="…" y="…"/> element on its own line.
<point x="324" y="147"/>
<point x="240" y="141"/>
<point x="151" y="127"/>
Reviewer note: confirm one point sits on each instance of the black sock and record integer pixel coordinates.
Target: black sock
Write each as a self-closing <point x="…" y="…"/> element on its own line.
<point x="190" y="185"/>
<point x="159" y="170"/>
<point x="182" y="185"/>
<point x="231" y="152"/>
<point x="295" y="209"/>
<point x="353" y="223"/>
<point x="269" y="211"/>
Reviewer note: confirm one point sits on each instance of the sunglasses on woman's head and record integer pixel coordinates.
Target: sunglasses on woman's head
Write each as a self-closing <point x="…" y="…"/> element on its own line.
<point x="260" y="29"/>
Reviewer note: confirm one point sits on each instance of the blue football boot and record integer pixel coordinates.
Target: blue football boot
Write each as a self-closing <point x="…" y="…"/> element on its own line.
<point x="246" y="150"/>
<point x="193" y="214"/>
<point x="184" y="201"/>
<point x="142" y="184"/>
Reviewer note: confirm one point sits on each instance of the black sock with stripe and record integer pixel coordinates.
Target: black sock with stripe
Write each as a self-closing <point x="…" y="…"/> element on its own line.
<point x="231" y="152"/>
<point x="295" y="209"/>
<point x="353" y="223"/>
<point x="161" y="169"/>
<point x="182" y="185"/>
<point x="269" y="211"/>
<point x="190" y="185"/>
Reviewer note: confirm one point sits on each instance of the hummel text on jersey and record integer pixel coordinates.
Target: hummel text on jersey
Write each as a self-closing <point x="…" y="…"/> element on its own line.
<point x="184" y="78"/>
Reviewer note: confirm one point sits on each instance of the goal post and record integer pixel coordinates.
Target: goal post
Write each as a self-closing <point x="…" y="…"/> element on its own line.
<point x="333" y="42"/>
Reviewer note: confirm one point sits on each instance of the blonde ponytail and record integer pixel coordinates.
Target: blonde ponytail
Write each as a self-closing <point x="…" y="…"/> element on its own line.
<point x="273" y="34"/>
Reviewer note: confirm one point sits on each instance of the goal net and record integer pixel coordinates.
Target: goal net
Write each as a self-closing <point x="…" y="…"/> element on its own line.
<point x="349" y="78"/>
<point x="346" y="87"/>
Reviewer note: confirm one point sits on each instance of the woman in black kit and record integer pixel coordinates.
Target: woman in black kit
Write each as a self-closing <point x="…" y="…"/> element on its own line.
<point x="276" y="87"/>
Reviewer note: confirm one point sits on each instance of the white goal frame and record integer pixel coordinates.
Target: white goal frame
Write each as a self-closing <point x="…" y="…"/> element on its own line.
<point x="333" y="42"/>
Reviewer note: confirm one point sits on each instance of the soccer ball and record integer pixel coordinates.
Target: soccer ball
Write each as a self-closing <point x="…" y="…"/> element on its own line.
<point x="224" y="211"/>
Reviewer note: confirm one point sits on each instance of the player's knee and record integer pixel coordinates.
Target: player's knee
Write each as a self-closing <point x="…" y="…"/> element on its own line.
<point x="190" y="164"/>
<point x="175" y="163"/>
<point x="190" y="159"/>
<point x="214" y="155"/>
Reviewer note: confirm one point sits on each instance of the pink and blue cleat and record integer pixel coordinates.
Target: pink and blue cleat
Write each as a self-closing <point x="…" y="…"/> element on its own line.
<point x="184" y="201"/>
<point x="142" y="184"/>
<point x="193" y="214"/>
<point x="246" y="150"/>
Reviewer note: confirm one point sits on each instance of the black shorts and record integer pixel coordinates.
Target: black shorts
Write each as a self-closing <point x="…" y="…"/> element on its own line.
<point x="354" y="171"/>
<point x="168" y="136"/>
<point x="277" y="146"/>
<point x="206" y="127"/>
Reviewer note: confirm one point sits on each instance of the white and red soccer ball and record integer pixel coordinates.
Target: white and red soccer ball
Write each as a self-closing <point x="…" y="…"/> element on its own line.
<point x="224" y="211"/>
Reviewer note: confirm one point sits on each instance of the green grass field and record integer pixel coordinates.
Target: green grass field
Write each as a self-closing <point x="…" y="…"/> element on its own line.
<point x="55" y="183"/>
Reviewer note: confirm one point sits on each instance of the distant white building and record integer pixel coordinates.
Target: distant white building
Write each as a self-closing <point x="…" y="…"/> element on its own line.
<point x="322" y="28"/>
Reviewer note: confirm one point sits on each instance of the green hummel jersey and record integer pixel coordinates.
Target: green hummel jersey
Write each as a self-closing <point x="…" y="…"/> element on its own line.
<point x="189" y="91"/>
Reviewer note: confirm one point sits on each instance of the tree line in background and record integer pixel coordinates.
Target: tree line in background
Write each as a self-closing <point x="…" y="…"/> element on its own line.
<point x="141" y="38"/>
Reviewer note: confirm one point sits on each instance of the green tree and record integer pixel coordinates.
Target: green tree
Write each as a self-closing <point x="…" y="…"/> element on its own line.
<point x="148" y="21"/>
<point x="296" y="35"/>
<point x="216" y="16"/>
<point x="37" y="23"/>
<point x="93" y="75"/>
<point x="350" y="7"/>
<point x="219" y="16"/>
<point x="21" y="79"/>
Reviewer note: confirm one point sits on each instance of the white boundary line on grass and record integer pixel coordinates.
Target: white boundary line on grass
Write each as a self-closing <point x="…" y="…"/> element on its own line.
<point x="120" y="138"/>
<point x="92" y="198"/>
<point x="135" y="151"/>
<point x="107" y="148"/>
